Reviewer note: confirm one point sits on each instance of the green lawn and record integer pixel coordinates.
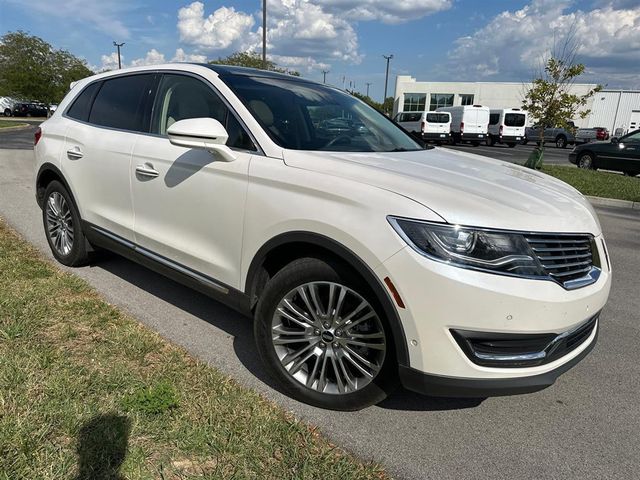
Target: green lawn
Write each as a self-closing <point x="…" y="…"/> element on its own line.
<point x="596" y="183"/>
<point x="86" y="392"/>
<point x="9" y="123"/>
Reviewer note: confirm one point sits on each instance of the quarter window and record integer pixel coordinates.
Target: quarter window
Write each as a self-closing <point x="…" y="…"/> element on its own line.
<point x="414" y="102"/>
<point x="441" y="100"/>
<point x="120" y="103"/>
<point x="82" y="104"/>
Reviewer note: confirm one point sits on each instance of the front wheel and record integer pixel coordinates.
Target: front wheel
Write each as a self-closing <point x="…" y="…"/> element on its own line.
<point x="62" y="226"/>
<point x="320" y="332"/>
<point x="7" y="112"/>
<point x="586" y="161"/>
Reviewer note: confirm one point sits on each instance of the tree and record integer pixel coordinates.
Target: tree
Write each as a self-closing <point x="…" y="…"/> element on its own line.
<point x="550" y="99"/>
<point x="385" y="107"/>
<point x="31" y="68"/>
<point x="252" y="60"/>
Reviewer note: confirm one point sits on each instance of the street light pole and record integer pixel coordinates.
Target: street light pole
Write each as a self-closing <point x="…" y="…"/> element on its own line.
<point x="368" y="83"/>
<point x="264" y="34"/>
<point x="324" y="76"/>
<point x="118" y="45"/>
<point x="386" y="78"/>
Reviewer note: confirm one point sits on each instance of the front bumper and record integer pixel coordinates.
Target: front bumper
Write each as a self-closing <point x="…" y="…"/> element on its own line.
<point x="573" y="158"/>
<point x="442" y="386"/>
<point x="440" y="298"/>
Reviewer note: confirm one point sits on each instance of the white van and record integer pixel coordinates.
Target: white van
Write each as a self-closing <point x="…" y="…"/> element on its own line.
<point x="428" y="126"/>
<point x="506" y="125"/>
<point x="468" y="123"/>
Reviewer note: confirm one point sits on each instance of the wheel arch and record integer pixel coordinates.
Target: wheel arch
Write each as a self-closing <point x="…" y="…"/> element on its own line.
<point x="47" y="173"/>
<point x="286" y="247"/>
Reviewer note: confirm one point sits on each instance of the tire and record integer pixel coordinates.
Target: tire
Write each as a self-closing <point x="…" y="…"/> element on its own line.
<point x="7" y="112"/>
<point x="525" y="141"/>
<point x="324" y="339"/>
<point x="561" y="141"/>
<point x="630" y="174"/>
<point x="453" y="141"/>
<point x="59" y="214"/>
<point x="490" y="142"/>
<point x="511" y="145"/>
<point x="585" y="161"/>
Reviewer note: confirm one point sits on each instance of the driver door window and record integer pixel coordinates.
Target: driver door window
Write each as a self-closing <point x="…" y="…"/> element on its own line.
<point x="181" y="97"/>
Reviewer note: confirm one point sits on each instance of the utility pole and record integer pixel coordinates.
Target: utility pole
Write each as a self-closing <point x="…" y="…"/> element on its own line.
<point x="264" y="34"/>
<point x="368" y="83"/>
<point x="115" y="44"/>
<point x="324" y="76"/>
<point x="386" y="78"/>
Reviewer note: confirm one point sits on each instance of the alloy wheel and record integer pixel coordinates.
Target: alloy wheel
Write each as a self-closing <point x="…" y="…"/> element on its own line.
<point x="59" y="223"/>
<point x="585" y="161"/>
<point x="328" y="337"/>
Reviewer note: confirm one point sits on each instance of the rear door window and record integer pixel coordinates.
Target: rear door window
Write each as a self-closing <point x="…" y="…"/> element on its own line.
<point x="121" y="101"/>
<point x="82" y="104"/>
<point x="514" y="120"/>
<point x="411" y="117"/>
<point x="437" y="118"/>
<point x="494" y="118"/>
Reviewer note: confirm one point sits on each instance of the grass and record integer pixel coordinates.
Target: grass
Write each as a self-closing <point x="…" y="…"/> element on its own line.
<point x="9" y="123"/>
<point x="86" y="392"/>
<point x="596" y="183"/>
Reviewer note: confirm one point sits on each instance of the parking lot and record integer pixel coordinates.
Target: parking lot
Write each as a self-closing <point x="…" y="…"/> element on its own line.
<point x="518" y="154"/>
<point x="585" y="426"/>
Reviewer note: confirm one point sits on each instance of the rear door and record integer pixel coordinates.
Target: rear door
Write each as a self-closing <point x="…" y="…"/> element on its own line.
<point x="514" y="123"/>
<point x="476" y="120"/>
<point x="98" y="146"/>
<point x="438" y="122"/>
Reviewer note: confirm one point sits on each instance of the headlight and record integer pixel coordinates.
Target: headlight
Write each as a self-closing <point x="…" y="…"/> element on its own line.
<point x="495" y="251"/>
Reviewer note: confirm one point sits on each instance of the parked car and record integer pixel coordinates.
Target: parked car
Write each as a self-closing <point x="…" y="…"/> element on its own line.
<point x="506" y="125"/>
<point x="29" y="110"/>
<point x="427" y="126"/>
<point x="620" y="154"/>
<point x="469" y="123"/>
<point x="561" y="137"/>
<point x="586" y="135"/>
<point x="364" y="259"/>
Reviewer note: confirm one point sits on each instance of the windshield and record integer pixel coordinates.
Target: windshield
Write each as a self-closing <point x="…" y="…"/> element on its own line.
<point x="306" y="116"/>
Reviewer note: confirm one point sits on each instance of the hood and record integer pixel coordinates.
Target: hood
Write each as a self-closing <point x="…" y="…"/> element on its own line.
<point x="463" y="188"/>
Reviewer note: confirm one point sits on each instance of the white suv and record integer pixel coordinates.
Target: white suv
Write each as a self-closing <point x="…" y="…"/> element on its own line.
<point x="364" y="259"/>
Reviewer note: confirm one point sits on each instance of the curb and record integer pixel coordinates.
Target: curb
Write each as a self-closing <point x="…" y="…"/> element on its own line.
<point x="613" y="202"/>
<point x="13" y="129"/>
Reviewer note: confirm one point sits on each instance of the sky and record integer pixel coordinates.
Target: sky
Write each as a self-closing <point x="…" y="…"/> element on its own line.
<point x="431" y="40"/>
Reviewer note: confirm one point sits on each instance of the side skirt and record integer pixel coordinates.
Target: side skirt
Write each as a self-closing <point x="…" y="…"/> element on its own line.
<point x="226" y="294"/>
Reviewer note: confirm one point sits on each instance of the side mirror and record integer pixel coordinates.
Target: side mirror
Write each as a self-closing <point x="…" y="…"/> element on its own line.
<point x="205" y="133"/>
<point x="615" y="140"/>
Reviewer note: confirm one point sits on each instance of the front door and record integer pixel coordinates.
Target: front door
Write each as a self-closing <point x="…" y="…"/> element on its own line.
<point x="189" y="203"/>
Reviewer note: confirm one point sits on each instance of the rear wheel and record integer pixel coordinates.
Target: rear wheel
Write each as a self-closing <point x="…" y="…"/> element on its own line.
<point x="490" y="141"/>
<point x="319" y="331"/>
<point x="62" y="226"/>
<point x="7" y="112"/>
<point x="585" y="161"/>
<point x="561" y="141"/>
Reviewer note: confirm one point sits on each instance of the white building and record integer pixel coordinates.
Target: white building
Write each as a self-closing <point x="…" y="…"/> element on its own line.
<point x="609" y="108"/>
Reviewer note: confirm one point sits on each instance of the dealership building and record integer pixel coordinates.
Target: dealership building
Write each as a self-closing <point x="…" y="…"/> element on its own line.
<point x="609" y="108"/>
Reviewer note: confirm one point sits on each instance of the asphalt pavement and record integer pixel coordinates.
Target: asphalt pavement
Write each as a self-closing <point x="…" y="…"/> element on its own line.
<point x="519" y="153"/>
<point x="585" y="426"/>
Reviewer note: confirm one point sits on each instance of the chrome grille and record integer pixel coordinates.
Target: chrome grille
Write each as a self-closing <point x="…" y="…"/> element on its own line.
<point x="564" y="258"/>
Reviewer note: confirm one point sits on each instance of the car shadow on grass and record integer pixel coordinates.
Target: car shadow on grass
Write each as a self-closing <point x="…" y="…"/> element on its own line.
<point x="241" y="329"/>
<point x="102" y="447"/>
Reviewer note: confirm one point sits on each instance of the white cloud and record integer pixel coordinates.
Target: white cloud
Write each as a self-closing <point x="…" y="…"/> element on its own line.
<point x="109" y="62"/>
<point x="101" y="15"/>
<point x="220" y="30"/>
<point x="397" y="11"/>
<point x="181" y="56"/>
<point x="153" y="57"/>
<point x="513" y="43"/>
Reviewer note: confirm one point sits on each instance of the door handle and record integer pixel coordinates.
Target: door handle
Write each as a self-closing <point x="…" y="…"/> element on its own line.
<point x="74" y="153"/>
<point x="146" y="170"/>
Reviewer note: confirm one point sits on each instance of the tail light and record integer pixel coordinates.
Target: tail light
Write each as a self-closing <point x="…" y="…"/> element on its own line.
<point x="423" y="125"/>
<point x="501" y="127"/>
<point x="461" y="127"/>
<point x="36" y="136"/>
